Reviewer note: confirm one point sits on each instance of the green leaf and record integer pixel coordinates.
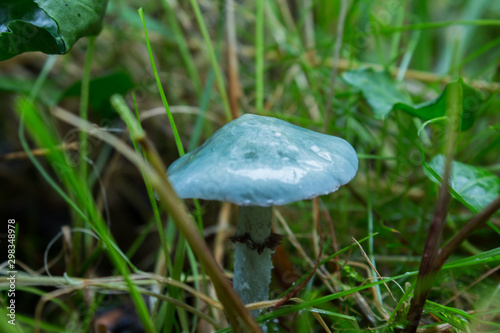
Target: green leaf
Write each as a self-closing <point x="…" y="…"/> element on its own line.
<point x="379" y="89"/>
<point x="48" y="26"/>
<point x="101" y="89"/>
<point x="384" y="95"/>
<point x="472" y="186"/>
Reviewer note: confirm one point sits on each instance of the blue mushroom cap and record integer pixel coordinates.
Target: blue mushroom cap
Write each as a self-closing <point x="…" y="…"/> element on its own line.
<point x="263" y="161"/>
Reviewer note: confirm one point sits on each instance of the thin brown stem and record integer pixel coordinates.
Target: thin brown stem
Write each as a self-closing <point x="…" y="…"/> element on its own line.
<point x="427" y="272"/>
<point x="428" y="269"/>
<point x="16" y="155"/>
<point x="441" y="256"/>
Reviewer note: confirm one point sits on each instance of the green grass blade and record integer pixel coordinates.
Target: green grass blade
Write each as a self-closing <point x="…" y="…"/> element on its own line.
<point x="213" y="59"/>
<point x="238" y="315"/>
<point x="177" y="138"/>
<point x="45" y="138"/>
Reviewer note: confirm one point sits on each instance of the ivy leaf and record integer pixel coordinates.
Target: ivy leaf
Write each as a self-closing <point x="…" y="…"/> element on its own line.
<point x="379" y="89"/>
<point x="384" y="95"/>
<point x="472" y="186"/>
<point x="48" y="26"/>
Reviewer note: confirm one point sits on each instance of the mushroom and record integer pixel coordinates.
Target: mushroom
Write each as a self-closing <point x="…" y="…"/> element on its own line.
<point x="257" y="162"/>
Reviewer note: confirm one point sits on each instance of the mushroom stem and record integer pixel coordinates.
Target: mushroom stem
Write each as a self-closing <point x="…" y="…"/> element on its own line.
<point x="254" y="247"/>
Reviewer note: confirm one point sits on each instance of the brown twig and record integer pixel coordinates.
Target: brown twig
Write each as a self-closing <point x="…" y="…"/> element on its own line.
<point x="221" y="235"/>
<point x="37" y="152"/>
<point x="346" y="64"/>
